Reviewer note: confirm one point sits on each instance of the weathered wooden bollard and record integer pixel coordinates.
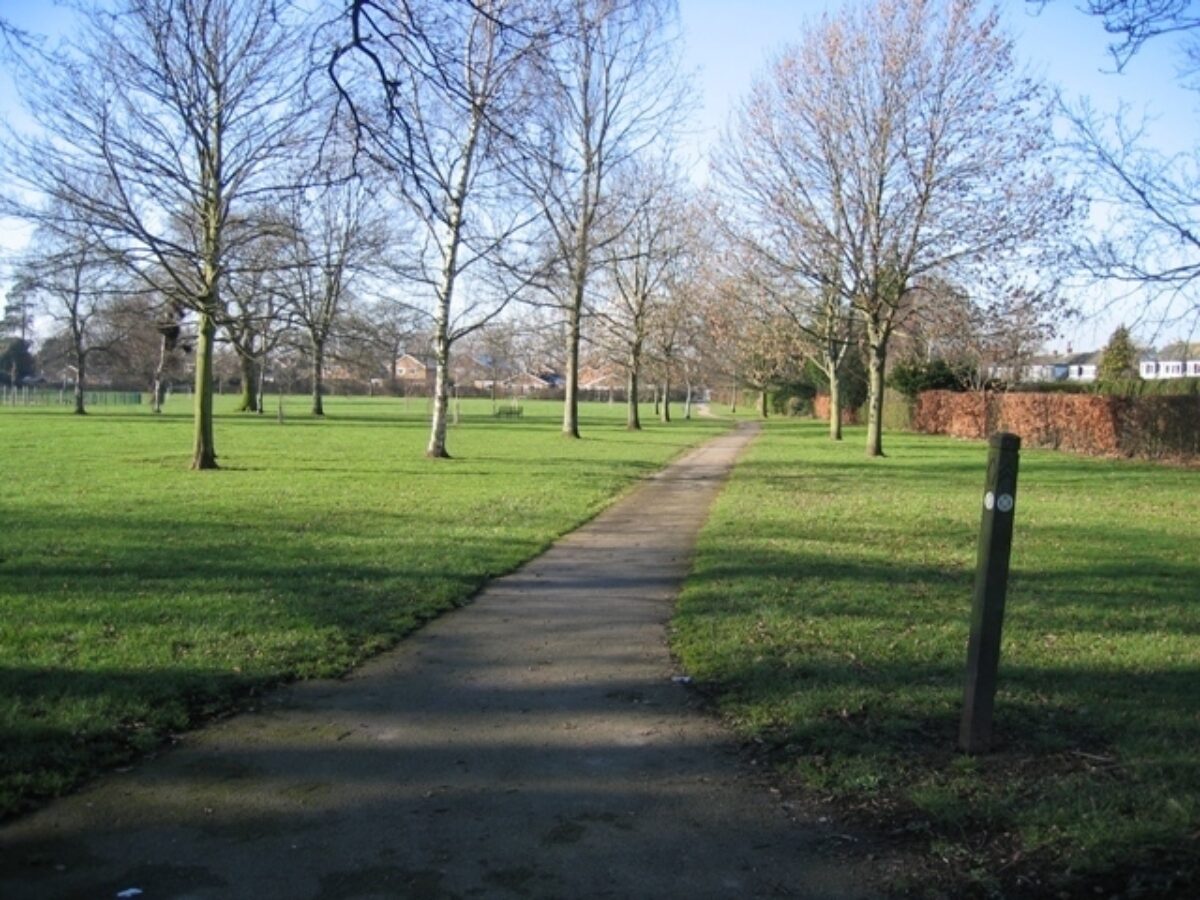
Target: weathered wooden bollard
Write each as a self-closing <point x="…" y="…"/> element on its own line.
<point x="991" y="585"/>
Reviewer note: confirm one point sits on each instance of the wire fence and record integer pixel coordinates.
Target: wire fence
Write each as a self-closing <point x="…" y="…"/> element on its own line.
<point x="28" y="396"/>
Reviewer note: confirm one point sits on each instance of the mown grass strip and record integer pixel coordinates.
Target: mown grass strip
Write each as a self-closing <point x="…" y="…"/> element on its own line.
<point x="137" y="597"/>
<point x="828" y="612"/>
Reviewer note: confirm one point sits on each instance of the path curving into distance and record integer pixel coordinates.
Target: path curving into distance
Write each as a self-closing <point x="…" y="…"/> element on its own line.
<point x="531" y="744"/>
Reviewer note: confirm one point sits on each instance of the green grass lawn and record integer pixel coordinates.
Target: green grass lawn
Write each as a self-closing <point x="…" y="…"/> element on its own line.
<point x="828" y="614"/>
<point x="137" y="597"/>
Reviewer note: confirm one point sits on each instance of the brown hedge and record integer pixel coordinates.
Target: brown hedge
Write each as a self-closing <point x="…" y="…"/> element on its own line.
<point x="1149" y="427"/>
<point x="821" y="411"/>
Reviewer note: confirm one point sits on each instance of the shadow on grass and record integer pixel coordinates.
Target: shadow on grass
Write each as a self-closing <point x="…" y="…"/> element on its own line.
<point x="828" y="617"/>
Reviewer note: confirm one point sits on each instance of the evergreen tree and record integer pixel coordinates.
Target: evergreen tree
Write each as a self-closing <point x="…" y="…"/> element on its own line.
<point x="16" y="324"/>
<point x="1120" y="362"/>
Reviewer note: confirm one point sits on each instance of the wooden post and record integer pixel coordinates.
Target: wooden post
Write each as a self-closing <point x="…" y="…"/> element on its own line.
<point x="991" y="586"/>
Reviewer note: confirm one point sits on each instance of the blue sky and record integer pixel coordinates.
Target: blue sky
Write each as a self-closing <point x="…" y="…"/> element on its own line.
<point x="728" y="42"/>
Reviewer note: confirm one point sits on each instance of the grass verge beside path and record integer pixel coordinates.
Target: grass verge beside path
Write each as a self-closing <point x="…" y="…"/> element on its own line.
<point x="828" y="613"/>
<point x="137" y="597"/>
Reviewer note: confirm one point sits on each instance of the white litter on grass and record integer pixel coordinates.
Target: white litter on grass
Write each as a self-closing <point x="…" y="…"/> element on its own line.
<point x="681" y="679"/>
<point x="130" y="892"/>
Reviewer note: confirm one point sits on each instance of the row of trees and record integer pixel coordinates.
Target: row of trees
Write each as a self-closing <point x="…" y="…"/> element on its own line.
<point x="253" y="167"/>
<point x="228" y="157"/>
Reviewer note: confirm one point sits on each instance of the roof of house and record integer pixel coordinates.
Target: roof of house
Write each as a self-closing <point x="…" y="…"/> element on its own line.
<point x="1043" y="359"/>
<point x="428" y="360"/>
<point x="1180" y="351"/>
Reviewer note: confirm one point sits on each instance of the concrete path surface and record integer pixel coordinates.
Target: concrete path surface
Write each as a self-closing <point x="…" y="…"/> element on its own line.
<point x="531" y="744"/>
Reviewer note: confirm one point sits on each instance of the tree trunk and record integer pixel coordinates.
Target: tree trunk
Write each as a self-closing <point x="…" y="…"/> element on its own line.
<point x="666" y="401"/>
<point x="204" y="454"/>
<point x="687" y="402"/>
<point x="441" y="352"/>
<point x="656" y="403"/>
<point x="835" y="405"/>
<point x="80" y="375"/>
<point x="875" y="365"/>
<point x="157" y="400"/>
<point x="570" y="427"/>
<point x="762" y="403"/>
<point x="441" y="397"/>
<point x="632" y="420"/>
<point x="318" y="367"/>
<point x="249" y="401"/>
<point x="733" y="399"/>
<point x="261" y="387"/>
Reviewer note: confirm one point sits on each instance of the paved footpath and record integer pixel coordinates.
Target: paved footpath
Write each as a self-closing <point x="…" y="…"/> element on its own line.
<point x="531" y="744"/>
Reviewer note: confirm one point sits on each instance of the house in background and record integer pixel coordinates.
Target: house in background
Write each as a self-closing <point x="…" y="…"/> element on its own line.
<point x="1036" y="369"/>
<point x="416" y="374"/>
<point x="525" y="383"/>
<point x="481" y="373"/>
<point x="605" y="377"/>
<point x="1179" y="360"/>
<point x="1080" y="366"/>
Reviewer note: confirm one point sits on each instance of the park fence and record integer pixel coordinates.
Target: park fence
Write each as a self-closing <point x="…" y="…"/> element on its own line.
<point x="29" y="396"/>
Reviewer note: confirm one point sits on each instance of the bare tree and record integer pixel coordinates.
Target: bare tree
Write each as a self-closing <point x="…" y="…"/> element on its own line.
<point x="495" y="354"/>
<point x="676" y="331"/>
<point x="899" y="140"/>
<point x="73" y="279"/>
<point x="988" y="338"/>
<point x="1149" y="199"/>
<point x="159" y="123"/>
<point x="258" y="315"/>
<point x="820" y="315"/>
<point x="749" y="345"/>
<point x="638" y="264"/>
<point x="611" y="91"/>
<point x="1151" y="242"/>
<point x="1133" y="22"/>
<point x="340" y="235"/>
<point x="437" y="92"/>
<point x="375" y="336"/>
<point x="693" y="351"/>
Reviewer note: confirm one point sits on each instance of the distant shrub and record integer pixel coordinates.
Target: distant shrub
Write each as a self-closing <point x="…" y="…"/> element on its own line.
<point x="1168" y="387"/>
<point x="799" y="406"/>
<point x="1123" y="387"/>
<point x="794" y="398"/>
<point x="897" y="411"/>
<point x="914" y="376"/>
<point x="1052" y="387"/>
